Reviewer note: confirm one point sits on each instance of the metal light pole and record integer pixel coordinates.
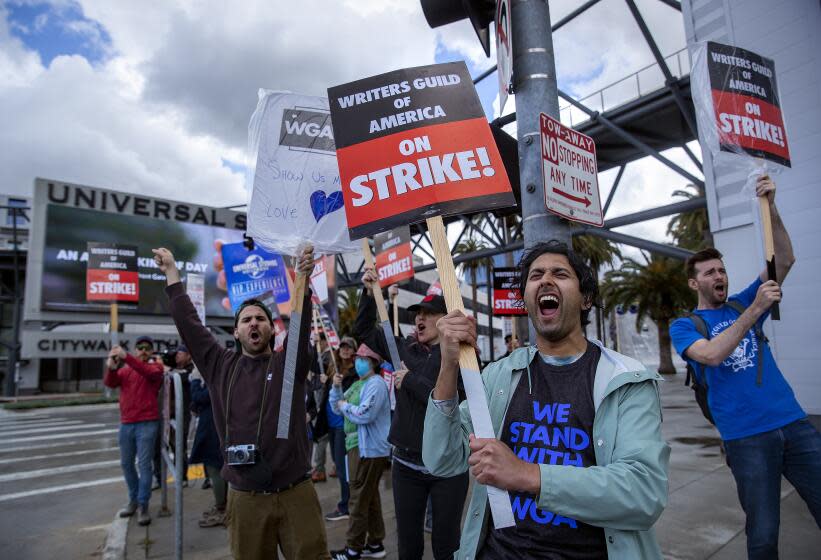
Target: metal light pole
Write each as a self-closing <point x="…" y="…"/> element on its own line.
<point x="534" y="81"/>
<point x="534" y="78"/>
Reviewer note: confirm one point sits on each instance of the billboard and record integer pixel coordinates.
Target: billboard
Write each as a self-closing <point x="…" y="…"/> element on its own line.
<point x="65" y="217"/>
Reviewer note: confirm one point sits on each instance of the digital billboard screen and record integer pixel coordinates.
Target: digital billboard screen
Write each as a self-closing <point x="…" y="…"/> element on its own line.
<point x="67" y="217"/>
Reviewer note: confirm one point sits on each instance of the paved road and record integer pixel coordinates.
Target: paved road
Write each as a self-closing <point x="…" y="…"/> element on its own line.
<point x="60" y="481"/>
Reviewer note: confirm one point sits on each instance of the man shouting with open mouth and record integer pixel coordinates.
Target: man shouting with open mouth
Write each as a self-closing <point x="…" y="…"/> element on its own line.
<point x="579" y="445"/>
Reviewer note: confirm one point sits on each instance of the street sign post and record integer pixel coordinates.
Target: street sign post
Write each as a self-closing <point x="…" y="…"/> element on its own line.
<point x="504" y="51"/>
<point x="570" y="173"/>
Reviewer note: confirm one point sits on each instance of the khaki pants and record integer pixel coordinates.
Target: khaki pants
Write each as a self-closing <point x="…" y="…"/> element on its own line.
<point x="291" y="520"/>
<point x="366" y="524"/>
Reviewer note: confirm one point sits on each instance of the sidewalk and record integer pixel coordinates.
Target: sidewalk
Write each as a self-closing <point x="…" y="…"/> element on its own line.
<point x="703" y="519"/>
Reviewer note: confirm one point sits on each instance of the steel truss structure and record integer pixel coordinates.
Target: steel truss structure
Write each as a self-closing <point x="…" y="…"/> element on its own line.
<point x="490" y="227"/>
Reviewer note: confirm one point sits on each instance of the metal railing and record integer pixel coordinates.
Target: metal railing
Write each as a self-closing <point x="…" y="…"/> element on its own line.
<point x="646" y="80"/>
<point x="173" y="457"/>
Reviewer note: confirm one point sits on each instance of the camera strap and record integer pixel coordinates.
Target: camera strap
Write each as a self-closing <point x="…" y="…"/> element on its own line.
<point x="266" y="378"/>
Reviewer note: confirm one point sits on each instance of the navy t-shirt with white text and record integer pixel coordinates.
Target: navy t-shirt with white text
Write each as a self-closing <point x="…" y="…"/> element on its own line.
<point x="740" y="407"/>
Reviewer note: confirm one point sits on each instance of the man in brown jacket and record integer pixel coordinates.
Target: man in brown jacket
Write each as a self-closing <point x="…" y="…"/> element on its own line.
<point x="271" y="499"/>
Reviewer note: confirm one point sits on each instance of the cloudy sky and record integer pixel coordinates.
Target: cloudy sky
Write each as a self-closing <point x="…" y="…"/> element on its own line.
<point x="155" y="96"/>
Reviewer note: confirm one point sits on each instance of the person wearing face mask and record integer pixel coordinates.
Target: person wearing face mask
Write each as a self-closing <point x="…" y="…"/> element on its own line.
<point x="412" y="482"/>
<point x="372" y="417"/>
<point x="331" y="424"/>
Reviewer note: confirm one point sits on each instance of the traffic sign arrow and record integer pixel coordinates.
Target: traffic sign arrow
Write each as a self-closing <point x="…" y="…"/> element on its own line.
<point x="580" y="200"/>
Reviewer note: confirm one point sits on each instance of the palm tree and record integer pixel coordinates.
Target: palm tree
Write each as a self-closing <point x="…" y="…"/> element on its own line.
<point x="659" y="288"/>
<point x="691" y="230"/>
<point x="596" y="252"/>
<point x="471" y="245"/>
<point x="348" y="310"/>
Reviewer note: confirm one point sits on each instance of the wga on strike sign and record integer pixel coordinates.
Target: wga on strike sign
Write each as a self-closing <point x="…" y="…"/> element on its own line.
<point x="413" y="144"/>
<point x="746" y="104"/>
<point x="394" y="258"/>
<point x="507" y="300"/>
<point x="111" y="274"/>
<point x="570" y="173"/>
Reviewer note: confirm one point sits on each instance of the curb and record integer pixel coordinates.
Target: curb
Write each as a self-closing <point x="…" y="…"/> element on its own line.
<point x="115" y="539"/>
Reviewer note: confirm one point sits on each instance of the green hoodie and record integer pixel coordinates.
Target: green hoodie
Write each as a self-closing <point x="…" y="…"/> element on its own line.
<point x="352" y="395"/>
<point x="625" y="493"/>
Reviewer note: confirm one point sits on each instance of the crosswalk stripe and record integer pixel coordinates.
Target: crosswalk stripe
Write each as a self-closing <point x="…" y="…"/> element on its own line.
<point x="52" y="489"/>
<point x="50" y="429"/>
<point x="39" y="447"/>
<point x="15" y="419"/>
<point x="58" y="436"/>
<point x="43" y="424"/>
<point x="57" y="470"/>
<point x="57" y="455"/>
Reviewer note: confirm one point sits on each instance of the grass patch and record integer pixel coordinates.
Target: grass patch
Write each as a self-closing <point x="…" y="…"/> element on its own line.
<point x="50" y="403"/>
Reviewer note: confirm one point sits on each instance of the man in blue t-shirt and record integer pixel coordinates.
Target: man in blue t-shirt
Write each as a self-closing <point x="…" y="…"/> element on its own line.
<point x="765" y="431"/>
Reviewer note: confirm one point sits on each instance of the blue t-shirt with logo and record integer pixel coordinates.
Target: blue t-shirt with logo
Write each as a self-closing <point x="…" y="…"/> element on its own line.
<point x="740" y="407"/>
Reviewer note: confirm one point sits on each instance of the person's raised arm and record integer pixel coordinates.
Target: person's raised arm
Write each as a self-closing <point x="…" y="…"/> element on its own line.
<point x="304" y="267"/>
<point x="454" y="329"/>
<point x="111" y="378"/>
<point x="206" y="350"/>
<point x="714" y="351"/>
<point x="782" y="245"/>
<point x="364" y="328"/>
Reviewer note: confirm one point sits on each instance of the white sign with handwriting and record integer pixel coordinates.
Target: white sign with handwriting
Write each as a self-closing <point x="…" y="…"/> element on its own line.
<point x="295" y="191"/>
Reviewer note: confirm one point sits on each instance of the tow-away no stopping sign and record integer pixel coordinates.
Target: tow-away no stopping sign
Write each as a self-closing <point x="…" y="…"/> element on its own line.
<point x="569" y="172"/>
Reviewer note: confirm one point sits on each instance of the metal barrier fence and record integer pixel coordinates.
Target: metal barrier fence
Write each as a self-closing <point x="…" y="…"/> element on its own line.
<point x="648" y="79"/>
<point x="171" y="459"/>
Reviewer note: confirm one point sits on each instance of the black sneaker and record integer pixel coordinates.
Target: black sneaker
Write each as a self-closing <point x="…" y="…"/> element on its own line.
<point x="143" y="518"/>
<point x="206" y="483"/>
<point x="373" y="551"/>
<point x="129" y="510"/>
<point x="336" y="516"/>
<point x="345" y="554"/>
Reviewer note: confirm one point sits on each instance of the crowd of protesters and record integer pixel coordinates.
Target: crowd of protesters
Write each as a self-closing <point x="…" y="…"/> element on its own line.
<point x="578" y="444"/>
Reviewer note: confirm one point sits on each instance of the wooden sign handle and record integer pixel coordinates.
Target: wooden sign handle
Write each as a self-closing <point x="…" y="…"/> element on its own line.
<point x="381" y="309"/>
<point x="320" y="326"/>
<point x="769" y="248"/>
<point x="114" y="326"/>
<point x="396" y="316"/>
<point x="450" y="289"/>
<point x="498" y="498"/>
<point x="514" y="326"/>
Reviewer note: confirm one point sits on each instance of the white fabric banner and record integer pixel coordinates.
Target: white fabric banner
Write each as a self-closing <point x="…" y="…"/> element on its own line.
<point x="294" y="178"/>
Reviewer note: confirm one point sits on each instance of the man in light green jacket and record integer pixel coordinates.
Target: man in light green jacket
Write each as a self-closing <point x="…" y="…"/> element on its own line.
<point x="578" y="428"/>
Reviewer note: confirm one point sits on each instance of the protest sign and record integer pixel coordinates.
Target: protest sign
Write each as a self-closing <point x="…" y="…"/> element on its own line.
<point x="394" y="258"/>
<point x="434" y="289"/>
<point x="295" y="196"/>
<point x="251" y="273"/>
<point x="740" y="121"/>
<point x="570" y="173"/>
<point x="414" y="145"/>
<point x="382" y="311"/>
<point x="737" y="102"/>
<point x="295" y="189"/>
<point x="111" y="275"/>
<point x="319" y="281"/>
<point x="507" y="300"/>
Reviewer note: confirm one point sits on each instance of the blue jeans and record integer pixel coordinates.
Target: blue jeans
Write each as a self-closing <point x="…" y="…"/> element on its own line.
<point x="336" y="440"/>
<point x="137" y="442"/>
<point x="757" y="463"/>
